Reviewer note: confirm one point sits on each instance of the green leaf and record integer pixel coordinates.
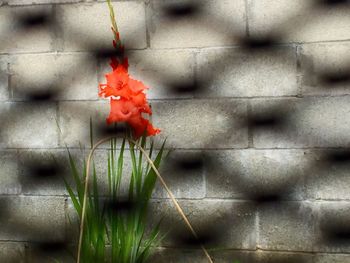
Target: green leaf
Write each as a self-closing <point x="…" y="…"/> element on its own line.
<point x="135" y="173"/>
<point x="120" y="165"/>
<point x="150" y="155"/>
<point x="95" y="188"/>
<point x="75" y="201"/>
<point x="91" y="134"/>
<point x="109" y="175"/>
<point x="151" y="177"/>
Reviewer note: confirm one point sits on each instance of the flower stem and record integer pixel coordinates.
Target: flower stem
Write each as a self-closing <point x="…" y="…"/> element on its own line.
<point x="118" y="43"/>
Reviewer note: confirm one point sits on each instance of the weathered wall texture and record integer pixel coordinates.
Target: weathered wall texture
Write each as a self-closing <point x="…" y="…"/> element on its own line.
<point x="267" y="115"/>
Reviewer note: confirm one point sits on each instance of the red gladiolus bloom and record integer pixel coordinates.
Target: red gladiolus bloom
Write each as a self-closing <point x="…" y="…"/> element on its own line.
<point x="127" y="99"/>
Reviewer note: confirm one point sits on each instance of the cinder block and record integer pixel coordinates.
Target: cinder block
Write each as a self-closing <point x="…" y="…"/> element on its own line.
<point x="36" y="254"/>
<point x="234" y="73"/>
<point x="12" y="252"/>
<point x="328" y="177"/>
<point x="287" y="226"/>
<point x="232" y="256"/>
<point x="72" y="223"/>
<point x="337" y="258"/>
<point x="217" y="24"/>
<point x="275" y="257"/>
<point x="42" y="172"/>
<point x="28" y="125"/>
<point x="66" y="76"/>
<point x="219" y="223"/>
<point x="4" y="89"/>
<point x="323" y="66"/>
<point x="171" y="255"/>
<point x="201" y="123"/>
<point x="75" y="121"/>
<point x="16" y="38"/>
<point x="162" y="255"/>
<point x="183" y="173"/>
<point x="26" y="2"/>
<point x="298" y="21"/>
<point x="88" y="26"/>
<point x="306" y="122"/>
<point x="332" y="229"/>
<point x="9" y="173"/>
<point x="39" y="219"/>
<point x="164" y="72"/>
<point x="256" y="174"/>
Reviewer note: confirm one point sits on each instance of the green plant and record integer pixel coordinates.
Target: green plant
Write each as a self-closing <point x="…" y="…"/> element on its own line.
<point x="111" y="234"/>
<point x="99" y="224"/>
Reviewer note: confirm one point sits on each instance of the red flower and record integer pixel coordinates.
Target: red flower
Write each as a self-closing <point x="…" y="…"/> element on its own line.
<point x="127" y="99"/>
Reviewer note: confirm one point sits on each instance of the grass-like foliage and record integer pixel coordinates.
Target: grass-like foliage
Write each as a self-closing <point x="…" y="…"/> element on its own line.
<point x="115" y="227"/>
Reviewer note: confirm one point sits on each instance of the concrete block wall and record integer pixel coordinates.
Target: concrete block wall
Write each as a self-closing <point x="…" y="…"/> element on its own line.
<point x="269" y="121"/>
